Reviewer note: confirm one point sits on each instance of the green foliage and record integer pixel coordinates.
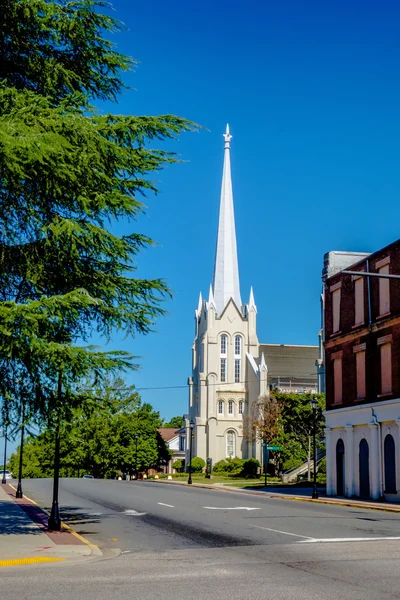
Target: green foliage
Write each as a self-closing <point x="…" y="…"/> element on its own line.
<point x="322" y="467"/>
<point x="221" y="467"/>
<point x="197" y="464"/>
<point x="250" y="467"/>
<point x="69" y="174"/>
<point x="179" y="465"/>
<point x="176" y="422"/>
<point x="233" y="466"/>
<point x="99" y="438"/>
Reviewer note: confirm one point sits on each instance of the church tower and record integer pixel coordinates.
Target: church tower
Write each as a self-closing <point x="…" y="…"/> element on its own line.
<point x="227" y="375"/>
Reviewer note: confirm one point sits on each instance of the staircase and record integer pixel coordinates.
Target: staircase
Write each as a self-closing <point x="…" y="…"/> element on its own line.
<point x="293" y="475"/>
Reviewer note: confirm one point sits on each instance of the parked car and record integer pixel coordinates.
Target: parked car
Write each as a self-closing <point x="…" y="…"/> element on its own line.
<point x="87" y="477"/>
<point x="8" y="474"/>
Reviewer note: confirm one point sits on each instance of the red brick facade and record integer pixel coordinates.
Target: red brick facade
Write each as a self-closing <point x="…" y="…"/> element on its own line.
<point x="377" y="330"/>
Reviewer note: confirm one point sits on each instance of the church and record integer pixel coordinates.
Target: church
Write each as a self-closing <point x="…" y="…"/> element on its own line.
<point x="230" y="368"/>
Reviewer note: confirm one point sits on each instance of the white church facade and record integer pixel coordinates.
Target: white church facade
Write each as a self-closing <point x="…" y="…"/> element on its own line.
<point x="229" y="372"/>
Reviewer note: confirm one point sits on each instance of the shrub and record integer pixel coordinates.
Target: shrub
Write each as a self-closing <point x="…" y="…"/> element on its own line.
<point x="221" y="467"/>
<point x="250" y="467"/>
<point x="179" y="465"/>
<point x="322" y="467"/>
<point x="198" y="464"/>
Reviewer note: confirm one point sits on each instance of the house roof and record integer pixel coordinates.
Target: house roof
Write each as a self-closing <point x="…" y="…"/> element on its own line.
<point x="297" y="362"/>
<point x="167" y="433"/>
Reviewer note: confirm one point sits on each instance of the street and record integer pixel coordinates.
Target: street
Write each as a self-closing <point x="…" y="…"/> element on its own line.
<point x="165" y="540"/>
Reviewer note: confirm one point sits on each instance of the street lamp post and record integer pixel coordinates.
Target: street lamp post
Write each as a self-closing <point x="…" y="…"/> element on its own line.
<point x="136" y="450"/>
<point x="3" y="481"/>
<point x="191" y="425"/>
<point x="314" y="406"/>
<point x="19" y="493"/>
<point x="54" y="523"/>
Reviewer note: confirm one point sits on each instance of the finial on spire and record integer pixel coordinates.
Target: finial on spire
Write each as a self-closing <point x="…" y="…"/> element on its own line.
<point x="211" y="301"/>
<point x="227" y="137"/>
<point x="252" y="303"/>
<point x="263" y="365"/>
<point x="200" y="305"/>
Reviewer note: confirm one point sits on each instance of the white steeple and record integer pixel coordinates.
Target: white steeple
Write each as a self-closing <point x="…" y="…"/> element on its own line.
<point x="226" y="271"/>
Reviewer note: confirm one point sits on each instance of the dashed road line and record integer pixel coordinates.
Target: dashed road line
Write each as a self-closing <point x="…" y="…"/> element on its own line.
<point x="306" y="537"/>
<point x="163" y="504"/>
<point x="230" y="508"/>
<point x="357" y="539"/>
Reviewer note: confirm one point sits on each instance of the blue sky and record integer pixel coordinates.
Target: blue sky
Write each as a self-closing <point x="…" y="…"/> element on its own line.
<point x="312" y="94"/>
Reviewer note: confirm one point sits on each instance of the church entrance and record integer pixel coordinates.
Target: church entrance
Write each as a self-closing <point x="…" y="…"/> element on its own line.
<point x="340" y="468"/>
<point x="364" y="469"/>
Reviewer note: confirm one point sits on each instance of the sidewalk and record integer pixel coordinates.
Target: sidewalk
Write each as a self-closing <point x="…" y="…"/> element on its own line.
<point x="24" y="538"/>
<point x="295" y="494"/>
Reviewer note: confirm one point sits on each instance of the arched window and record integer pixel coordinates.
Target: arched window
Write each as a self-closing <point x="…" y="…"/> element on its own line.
<point x="223" y="354"/>
<point x="220" y="407"/>
<point x="241" y="407"/>
<point x="238" y="354"/>
<point x="230" y="444"/>
<point x="238" y="345"/>
<point x="224" y="343"/>
<point x="230" y="407"/>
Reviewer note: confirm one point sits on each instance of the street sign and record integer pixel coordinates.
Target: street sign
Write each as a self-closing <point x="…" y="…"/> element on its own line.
<point x="273" y="447"/>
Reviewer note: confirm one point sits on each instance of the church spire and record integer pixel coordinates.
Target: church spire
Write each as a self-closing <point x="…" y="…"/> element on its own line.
<point x="226" y="271"/>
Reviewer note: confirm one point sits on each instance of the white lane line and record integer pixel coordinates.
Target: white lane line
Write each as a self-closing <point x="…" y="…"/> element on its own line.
<point x="230" y="508"/>
<point x="306" y="537"/>
<point x="133" y="513"/>
<point x="358" y="539"/>
<point x="163" y="504"/>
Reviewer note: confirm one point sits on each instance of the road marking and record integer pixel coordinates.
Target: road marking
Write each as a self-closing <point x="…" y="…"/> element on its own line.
<point x="230" y="508"/>
<point x="133" y="513"/>
<point x="163" y="504"/>
<point x="306" y="537"/>
<point x="358" y="539"/>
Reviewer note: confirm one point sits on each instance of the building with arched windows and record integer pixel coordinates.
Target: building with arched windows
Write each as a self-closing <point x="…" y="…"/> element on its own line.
<point x="230" y="370"/>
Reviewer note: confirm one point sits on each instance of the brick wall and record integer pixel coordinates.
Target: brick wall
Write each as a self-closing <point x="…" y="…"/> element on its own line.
<point x="350" y="335"/>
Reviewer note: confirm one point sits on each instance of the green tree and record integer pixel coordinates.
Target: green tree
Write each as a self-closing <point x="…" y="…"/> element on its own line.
<point x="69" y="174"/>
<point x="176" y="422"/>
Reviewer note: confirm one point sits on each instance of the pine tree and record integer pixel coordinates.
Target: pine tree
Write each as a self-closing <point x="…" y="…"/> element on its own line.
<point x="68" y="174"/>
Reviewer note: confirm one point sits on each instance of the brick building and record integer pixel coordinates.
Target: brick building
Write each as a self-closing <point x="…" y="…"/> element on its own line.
<point x="362" y="363"/>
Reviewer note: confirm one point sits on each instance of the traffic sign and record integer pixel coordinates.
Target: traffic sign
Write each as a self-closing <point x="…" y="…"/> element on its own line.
<point x="273" y="447"/>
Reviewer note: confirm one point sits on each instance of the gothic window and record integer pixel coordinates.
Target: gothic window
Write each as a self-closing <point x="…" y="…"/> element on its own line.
<point x="237" y="370"/>
<point x="238" y="344"/>
<point x="241" y="407"/>
<point x="230" y="407"/>
<point x="220" y="407"/>
<point x="230" y="444"/>
<point x="224" y="340"/>
<point x="223" y="370"/>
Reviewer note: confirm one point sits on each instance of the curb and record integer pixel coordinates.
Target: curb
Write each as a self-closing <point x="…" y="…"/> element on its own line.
<point x="351" y="503"/>
<point x="95" y="550"/>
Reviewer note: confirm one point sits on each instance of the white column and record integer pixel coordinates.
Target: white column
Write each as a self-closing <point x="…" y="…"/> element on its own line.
<point x="349" y="456"/>
<point x="329" y="461"/>
<point x="374" y="462"/>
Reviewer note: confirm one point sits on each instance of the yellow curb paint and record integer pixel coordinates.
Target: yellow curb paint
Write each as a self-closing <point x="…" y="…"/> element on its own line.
<point x="26" y="497"/>
<point x="64" y="525"/>
<point x="15" y="562"/>
<point x="80" y="537"/>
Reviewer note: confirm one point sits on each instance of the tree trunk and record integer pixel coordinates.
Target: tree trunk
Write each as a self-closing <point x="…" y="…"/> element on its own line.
<point x="309" y="458"/>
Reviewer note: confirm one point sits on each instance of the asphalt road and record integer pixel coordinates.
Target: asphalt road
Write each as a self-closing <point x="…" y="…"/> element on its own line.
<point x="191" y="543"/>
